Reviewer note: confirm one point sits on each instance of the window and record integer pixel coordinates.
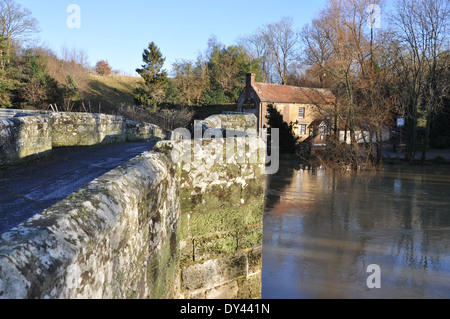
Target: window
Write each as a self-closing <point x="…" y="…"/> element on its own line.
<point x="301" y="112"/>
<point x="302" y="129"/>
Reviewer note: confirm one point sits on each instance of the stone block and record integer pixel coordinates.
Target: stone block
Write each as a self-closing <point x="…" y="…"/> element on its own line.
<point x="143" y="132"/>
<point x="186" y="251"/>
<point x="86" y="129"/>
<point x="250" y="287"/>
<point x="255" y="260"/>
<point x="217" y="220"/>
<point x="213" y="197"/>
<point x="255" y="207"/>
<point x="23" y="138"/>
<point x="226" y="291"/>
<point x="213" y="272"/>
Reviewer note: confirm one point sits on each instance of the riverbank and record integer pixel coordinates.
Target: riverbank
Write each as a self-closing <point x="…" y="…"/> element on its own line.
<point x="433" y="157"/>
<point x="431" y="154"/>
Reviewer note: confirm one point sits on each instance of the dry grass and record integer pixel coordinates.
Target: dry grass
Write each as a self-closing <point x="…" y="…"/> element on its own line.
<point x="110" y="92"/>
<point x="114" y="95"/>
<point x="168" y="119"/>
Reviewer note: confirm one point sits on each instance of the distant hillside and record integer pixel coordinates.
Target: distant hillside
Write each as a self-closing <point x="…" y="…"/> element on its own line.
<point x="111" y="91"/>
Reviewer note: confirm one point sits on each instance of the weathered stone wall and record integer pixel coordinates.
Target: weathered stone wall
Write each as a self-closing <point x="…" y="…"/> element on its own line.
<point x="8" y="113"/>
<point x="86" y="129"/>
<point x="237" y="122"/>
<point x="140" y="132"/>
<point x="22" y="137"/>
<point x="26" y="136"/>
<point x="222" y="196"/>
<point x="182" y="221"/>
<point x="115" y="238"/>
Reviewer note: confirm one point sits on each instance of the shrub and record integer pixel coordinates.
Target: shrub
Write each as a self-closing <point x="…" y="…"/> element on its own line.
<point x="168" y="119"/>
<point x="103" y="68"/>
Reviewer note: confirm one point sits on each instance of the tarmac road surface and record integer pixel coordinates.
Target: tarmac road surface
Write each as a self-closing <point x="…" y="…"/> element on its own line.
<point x="28" y="189"/>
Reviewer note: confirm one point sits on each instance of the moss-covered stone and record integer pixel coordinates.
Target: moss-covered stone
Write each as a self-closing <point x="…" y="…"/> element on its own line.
<point x="217" y="220"/>
<point x="163" y="266"/>
<point x="186" y="202"/>
<point x="24" y="138"/>
<point x="147" y="207"/>
<point x="213" y="272"/>
<point x="255" y="260"/>
<point x="250" y="287"/>
<point x="154" y="272"/>
<point x="186" y="251"/>
<point x="249" y="237"/>
<point x="255" y="208"/>
<point x="151" y="228"/>
<point x="85" y="129"/>
<point x="215" y="197"/>
<point x="228" y="290"/>
<point x="212" y="246"/>
<point x="253" y="189"/>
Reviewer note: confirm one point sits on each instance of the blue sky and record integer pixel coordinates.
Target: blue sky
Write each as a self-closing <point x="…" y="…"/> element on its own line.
<point x="118" y="31"/>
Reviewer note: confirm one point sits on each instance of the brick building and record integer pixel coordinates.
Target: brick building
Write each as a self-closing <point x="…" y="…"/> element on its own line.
<point x="298" y="105"/>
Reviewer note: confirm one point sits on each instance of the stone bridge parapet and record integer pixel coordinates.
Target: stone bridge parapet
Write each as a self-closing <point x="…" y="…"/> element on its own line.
<point x="27" y="136"/>
<point x="181" y="221"/>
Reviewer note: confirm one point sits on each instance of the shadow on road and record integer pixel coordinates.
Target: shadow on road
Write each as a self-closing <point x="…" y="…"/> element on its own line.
<point x="30" y="188"/>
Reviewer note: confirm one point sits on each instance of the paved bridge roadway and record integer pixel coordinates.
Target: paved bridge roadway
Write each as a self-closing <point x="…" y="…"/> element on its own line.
<point x="28" y="189"/>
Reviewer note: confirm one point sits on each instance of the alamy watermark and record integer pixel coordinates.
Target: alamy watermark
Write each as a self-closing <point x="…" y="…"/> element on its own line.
<point x="226" y="146"/>
<point x="74" y="19"/>
<point x="374" y="280"/>
<point x="374" y="19"/>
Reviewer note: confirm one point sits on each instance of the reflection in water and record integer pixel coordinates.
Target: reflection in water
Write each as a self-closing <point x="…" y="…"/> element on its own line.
<point x="322" y="230"/>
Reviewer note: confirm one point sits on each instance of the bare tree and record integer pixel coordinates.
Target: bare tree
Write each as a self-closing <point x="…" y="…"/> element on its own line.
<point x="276" y="47"/>
<point x="318" y="49"/>
<point x="74" y="55"/>
<point x="73" y="62"/>
<point x="342" y="51"/>
<point x="16" y="22"/>
<point x="257" y="48"/>
<point x="423" y="45"/>
<point x="337" y="45"/>
<point x="34" y="93"/>
<point x="282" y="41"/>
<point x="190" y="80"/>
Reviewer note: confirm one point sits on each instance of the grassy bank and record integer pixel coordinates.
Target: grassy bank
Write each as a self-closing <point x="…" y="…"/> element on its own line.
<point x="109" y="92"/>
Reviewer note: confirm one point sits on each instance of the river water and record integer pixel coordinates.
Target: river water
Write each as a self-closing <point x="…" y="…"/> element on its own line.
<point x="322" y="230"/>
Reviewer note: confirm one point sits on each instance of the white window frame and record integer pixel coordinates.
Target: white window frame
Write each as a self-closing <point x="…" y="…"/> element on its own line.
<point x="303" y="113"/>
<point x="300" y="130"/>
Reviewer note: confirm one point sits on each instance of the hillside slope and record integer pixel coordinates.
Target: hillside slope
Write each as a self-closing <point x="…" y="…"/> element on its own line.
<point x="109" y="92"/>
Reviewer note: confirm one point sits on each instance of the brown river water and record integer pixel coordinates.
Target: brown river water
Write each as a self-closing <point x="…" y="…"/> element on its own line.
<point x="322" y="230"/>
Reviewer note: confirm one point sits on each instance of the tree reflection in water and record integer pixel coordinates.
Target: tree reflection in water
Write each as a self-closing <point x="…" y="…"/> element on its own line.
<point x="322" y="229"/>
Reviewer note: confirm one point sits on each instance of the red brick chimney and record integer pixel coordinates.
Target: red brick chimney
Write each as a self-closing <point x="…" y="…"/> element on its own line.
<point x="249" y="83"/>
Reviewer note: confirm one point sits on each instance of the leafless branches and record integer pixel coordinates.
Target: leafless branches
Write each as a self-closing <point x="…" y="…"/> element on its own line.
<point x="16" y="22"/>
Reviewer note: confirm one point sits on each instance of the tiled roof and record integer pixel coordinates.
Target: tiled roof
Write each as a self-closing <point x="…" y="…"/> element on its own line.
<point x="292" y="94"/>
